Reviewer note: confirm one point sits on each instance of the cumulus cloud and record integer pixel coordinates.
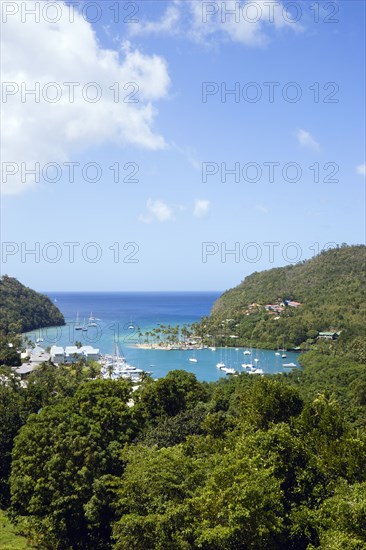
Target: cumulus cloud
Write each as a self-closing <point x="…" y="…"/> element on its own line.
<point x="43" y="130"/>
<point x="201" y="208"/>
<point x="246" y="22"/>
<point x="361" y="169"/>
<point x="157" y="210"/>
<point x="305" y="139"/>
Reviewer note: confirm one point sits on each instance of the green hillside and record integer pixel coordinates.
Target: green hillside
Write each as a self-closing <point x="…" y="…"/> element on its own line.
<point x="329" y="287"/>
<point x="23" y="309"/>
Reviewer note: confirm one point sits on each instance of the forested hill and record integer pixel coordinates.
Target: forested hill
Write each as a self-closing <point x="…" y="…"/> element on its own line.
<point x="23" y="309"/>
<point x="329" y="287"/>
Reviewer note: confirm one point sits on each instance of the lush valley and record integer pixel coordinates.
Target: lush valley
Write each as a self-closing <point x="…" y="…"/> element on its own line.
<point x="254" y="462"/>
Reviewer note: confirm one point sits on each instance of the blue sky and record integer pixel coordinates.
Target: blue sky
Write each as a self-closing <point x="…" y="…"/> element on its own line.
<point x="173" y="228"/>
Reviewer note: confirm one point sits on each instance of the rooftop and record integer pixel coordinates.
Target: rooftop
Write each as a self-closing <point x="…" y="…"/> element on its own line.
<point x="57" y="350"/>
<point x="26" y="368"/>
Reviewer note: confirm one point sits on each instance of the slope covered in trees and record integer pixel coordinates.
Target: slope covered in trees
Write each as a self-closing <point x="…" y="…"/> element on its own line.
<point x="23" y="309"/>
<point x="330" y="288"/>
<point x="259" y="463"/>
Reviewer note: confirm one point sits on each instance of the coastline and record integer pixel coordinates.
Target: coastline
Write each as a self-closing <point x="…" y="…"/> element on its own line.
<point x="164" y="347"/>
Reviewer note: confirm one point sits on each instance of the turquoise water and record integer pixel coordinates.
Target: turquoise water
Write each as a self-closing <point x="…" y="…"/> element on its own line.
<point x="120" y="313"/>
<point x="159" y="362"/>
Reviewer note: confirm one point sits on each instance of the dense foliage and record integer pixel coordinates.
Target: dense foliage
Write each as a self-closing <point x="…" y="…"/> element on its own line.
<point x="45" y="386"/>
<point x="23" y="309"/>
<point x="246" y="462"/>
<point x="330" y="288"/>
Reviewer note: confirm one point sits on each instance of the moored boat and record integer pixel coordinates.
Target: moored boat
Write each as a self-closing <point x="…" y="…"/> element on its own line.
<point x="77" y="325"/>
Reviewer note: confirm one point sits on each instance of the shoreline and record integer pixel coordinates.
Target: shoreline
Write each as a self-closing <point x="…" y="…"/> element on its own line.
<point x="165" y="347"/>
<point x="189" y="347"/>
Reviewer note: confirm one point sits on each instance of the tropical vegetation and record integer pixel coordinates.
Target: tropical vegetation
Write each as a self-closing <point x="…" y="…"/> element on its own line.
<point x="23" y="309"/>
<point x="330" y="291"/>
<point x="259" y="463"/>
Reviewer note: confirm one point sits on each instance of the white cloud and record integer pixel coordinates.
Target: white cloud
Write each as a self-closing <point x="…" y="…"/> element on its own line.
<point x="261" y="208"/>
<point x="246" y="22"/>
<point x="62" y="52"/>
<point x="201" y="208"/>
<point x="158" y="210"/>
<point x="305" y="139"/>
<point x="361" y="169"/>
<point x="168" y="24"/>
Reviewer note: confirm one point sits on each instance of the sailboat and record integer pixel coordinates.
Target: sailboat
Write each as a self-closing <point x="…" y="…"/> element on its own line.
<point x="78" y="326"/>
<point x="224" y="368"/>
<point x="252" y="368"/>
<point x="131" y="325"/>
<point x="92" y="320"/>
<point x="193" y="359"/>
<point x="84" y="328"/>
<point x="221" y="365"/>
<point x="229" y="370"/>
<point x="116" y="366"/>
<point x="256" y="371"/>
<point x="248" y="366"/>
<point x="283" y="350"/>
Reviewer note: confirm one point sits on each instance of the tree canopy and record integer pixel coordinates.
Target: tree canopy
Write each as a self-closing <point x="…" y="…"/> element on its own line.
<point x="245" y="462"/>
<point x="330" y="288"/>
<point x="23" y="309"/>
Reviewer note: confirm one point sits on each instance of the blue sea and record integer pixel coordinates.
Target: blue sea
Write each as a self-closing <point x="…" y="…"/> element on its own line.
<point x="120" y="314"/>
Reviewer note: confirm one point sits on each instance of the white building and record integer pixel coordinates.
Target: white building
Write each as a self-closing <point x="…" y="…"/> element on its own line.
<point x="39" y="355"/>
<point x="57" y="355"/>
<point x="71" y="354"/>
<point x="91" y="353"/>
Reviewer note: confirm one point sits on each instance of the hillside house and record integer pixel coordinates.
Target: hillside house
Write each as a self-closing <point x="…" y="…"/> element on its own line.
<point x="328" y="335"/>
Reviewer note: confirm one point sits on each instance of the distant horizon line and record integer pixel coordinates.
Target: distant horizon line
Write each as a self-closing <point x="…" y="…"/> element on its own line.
<point x="128" y="291"/>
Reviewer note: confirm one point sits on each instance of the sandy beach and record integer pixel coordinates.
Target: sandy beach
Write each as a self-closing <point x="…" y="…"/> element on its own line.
<point x="165" y="347"/>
